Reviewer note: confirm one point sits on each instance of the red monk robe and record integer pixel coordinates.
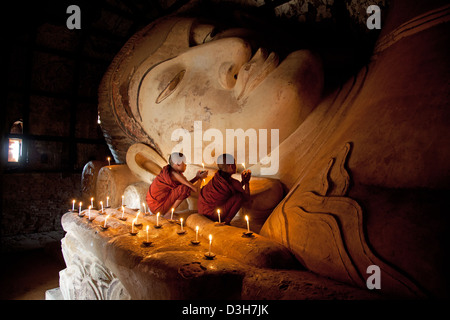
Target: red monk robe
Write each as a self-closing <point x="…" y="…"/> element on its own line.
<point x="164" y="191"/>
<point x="222" y="192"/>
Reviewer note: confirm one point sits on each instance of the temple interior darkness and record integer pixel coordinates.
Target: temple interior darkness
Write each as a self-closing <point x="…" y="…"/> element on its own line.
<point x="363" y="168"/>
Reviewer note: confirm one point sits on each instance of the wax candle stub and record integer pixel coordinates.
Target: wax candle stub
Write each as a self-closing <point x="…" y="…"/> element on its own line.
<point x="123" y="213"/>
<point x="106" y="219"/>
<point x="210" y="241"/>
<point x="132" y="225"/>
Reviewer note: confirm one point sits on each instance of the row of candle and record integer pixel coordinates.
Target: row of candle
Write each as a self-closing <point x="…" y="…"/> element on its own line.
<point x="101" y="204"/>
<point x="182" y="231"/>
<point x="144" y="206"/>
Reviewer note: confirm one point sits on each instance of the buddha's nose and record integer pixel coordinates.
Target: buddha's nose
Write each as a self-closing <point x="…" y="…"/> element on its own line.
<point x="239" y="52"/>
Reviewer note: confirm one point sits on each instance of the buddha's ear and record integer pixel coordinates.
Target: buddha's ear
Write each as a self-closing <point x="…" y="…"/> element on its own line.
<point x="144" y="162"/>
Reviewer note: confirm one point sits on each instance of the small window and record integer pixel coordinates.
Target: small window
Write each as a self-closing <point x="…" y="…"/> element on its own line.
<point x="15" y="143"/>
<point x="15" y="149"/>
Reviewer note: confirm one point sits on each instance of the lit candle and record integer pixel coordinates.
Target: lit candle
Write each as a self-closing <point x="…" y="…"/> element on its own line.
<point x="243" y="166"/>
<point x="109" y="162"/>
<point x="248" y="225"/>
<point x="101" y="203"/>
<point x="171" y="215"/>
<point x="218" y="214"/>
<point x="79" y="208"/>
<point x="181" y="220"/>
<point x="132" y="225"/>
<point x="105" y="221"/>
<point x="73" y="205"/>
<point x="210" y="240"/>
<point x="92" y="202"/>
<point x="107" y="202"/>
<point x="122" y="200"/>
<point x="203" y="165"/>
<point x="147" y="232"/>
<point x="196" y="233"/>
<point x="137" y="217"/>
<point x="89" y="216"/>
<point x="143" y="205"/>
<point x="157" y="219"/>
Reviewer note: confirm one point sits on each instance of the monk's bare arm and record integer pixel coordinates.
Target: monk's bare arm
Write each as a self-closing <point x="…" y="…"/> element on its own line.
<point x="183" y="180"/>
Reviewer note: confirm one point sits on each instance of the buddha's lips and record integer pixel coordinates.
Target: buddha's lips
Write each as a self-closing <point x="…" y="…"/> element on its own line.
<point x="254" y="72"/>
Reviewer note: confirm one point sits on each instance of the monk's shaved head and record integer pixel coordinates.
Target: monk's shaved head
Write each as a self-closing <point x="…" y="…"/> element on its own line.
<point x="223" y="160"/>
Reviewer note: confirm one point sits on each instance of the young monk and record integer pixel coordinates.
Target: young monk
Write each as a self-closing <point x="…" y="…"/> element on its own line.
<point x="170" y="187"/>
<point x="224" y="192"/>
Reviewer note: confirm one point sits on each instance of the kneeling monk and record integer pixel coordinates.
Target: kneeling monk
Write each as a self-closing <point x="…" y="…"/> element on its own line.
<point x="224" y="192"/>
<point x="170" y="186"/>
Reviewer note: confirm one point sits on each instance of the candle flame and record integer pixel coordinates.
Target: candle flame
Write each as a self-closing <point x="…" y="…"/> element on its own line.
<point x="210" y="237"/>
<point x="73" y="201"/>
<point x="147" y="228"/>
<point x="246" y="217"/>
<point x="243" y="164"/>
<point x="196" y="228"/>
<point x="203" y="165"/>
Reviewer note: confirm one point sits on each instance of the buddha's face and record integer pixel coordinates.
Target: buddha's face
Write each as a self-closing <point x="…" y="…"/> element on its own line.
<point x="228" y="84"/>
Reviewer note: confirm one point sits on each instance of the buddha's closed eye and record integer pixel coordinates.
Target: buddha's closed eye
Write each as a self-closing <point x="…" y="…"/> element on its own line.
<point x="170" y="88"/>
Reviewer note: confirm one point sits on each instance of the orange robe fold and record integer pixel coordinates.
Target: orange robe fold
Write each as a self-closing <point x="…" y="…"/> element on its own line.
<point x="222" y="192"/>
<point x="164" y="191"/>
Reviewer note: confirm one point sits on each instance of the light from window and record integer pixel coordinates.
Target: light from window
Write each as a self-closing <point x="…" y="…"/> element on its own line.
<point x="15" y="149"/>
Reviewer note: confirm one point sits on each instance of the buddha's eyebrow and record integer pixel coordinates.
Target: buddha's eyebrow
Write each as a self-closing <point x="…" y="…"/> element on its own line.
<point x="140" y="83"/>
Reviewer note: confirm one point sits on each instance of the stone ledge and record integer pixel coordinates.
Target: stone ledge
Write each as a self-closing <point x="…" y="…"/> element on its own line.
<point x="113" y="264"/>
